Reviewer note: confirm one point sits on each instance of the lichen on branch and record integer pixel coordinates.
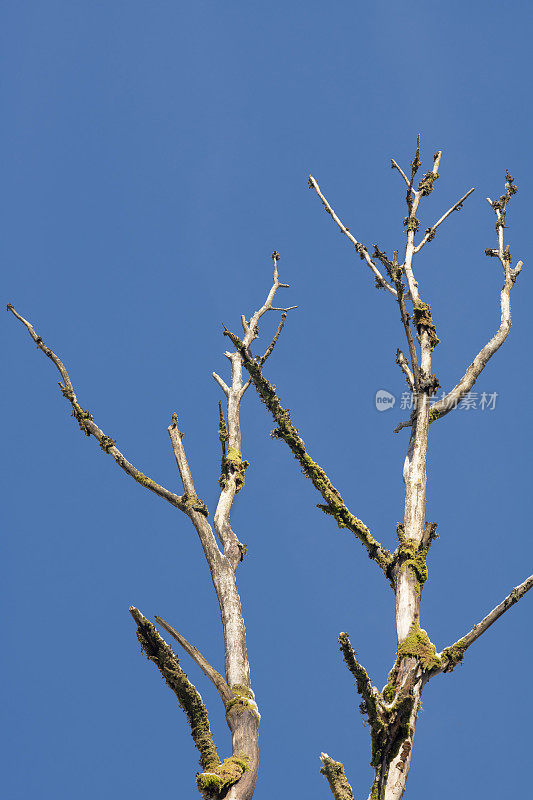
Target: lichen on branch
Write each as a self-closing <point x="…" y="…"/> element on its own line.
<point x="189" y="698"/>
<point x="289" y="434"/>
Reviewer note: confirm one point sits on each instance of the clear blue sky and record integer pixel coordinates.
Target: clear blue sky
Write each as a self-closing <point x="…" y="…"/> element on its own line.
<point x="153" y="156"/>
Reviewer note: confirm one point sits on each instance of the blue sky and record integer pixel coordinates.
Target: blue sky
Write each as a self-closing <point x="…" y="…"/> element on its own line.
<point x="153" y="156"/>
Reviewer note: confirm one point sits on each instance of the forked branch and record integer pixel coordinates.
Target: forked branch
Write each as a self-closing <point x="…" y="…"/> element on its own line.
<point x="187" y="503"/>
<point x="233" y="466"/>
<point x="452" y="399"/>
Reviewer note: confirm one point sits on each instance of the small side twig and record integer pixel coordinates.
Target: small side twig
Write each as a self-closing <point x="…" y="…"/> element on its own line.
<point x="454" y="653"/>
<point x="430" y="232"/>
<point x="394" y="165"/>
<point x="215" y="677"/>
<point x="176" y="437"/>
<point x="404" y="366"/>
<point x="360" y="248"/>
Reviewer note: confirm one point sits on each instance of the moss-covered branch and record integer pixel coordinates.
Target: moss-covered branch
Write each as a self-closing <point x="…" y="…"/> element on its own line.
<point x="213" y="783"/>
<point x="289" y="434"/>
<point x="364" y="684"/>
<point x="189" y="699"/>
<point x="338" y="783"/>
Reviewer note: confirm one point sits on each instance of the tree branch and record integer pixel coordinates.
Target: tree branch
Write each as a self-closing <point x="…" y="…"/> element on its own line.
<point x="454" y="653"/>
<point x="451" y="400"/>
<point x="360" y="248"/>
<point x="185" y="503"/>
<point x="272" y="344"/>
<point x="430" y="232"/>
<point x="338" y="783"/>
<point x="215" y="677"/>
<point x="394" y="165"/>
<point x="221" y="383"/>
<point x="176" y="437"/>
<point x="287" y="431"/>
<point x="189" y="699"/>
<point x="233" y="466"/>
<point x="368" y="692"/>
<point x="404" y="366"/>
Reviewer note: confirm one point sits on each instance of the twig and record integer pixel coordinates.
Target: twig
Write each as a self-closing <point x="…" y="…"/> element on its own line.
<point x="453" y="654"/>
<point x="404" y="366"/>
<point x="394" y="165"/>
<point x="215" y="677"/>
<point x="223" y="385"/>
<point x="176" y="437"/>
<point x="452" y="399"/>
<point x="272" y="344"/>
<point x="430" y="232"/>
<point x="360" y="248"/>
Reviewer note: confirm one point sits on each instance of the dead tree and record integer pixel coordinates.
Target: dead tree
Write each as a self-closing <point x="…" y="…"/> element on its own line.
<point x="392" y="712"/>
<point x="234" y="777"/>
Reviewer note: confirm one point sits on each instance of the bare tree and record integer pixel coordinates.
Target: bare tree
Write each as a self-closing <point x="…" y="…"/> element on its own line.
<point x="392" y="712"/>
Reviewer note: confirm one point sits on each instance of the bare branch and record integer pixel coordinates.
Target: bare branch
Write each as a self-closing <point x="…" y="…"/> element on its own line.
<point x="233" y="466"/>
<point x="454" y="653"/>
<point x="404" y="366"/>
<point x="85" y="420"/>
<point x="430" y="232"/>
<point x="176" y="437"/>
<point x="394" y="165"/>
<point x="162" y="655"/>
<point x="338" y="783"/>
<point x="246" y="386"/>
<point x="272" y="344"/>
<point x="223" y="385"/>
<point x="251" y="334"/>
<point x="452" y="399"/>
<point x="215" y="677"/>
<point x="360" y="248"/>
<point x="287" y="431"/>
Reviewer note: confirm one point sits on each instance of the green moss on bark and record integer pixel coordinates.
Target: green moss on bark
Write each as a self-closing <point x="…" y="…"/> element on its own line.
<point x="216" y="781"/>
<point x="417" y="645"/>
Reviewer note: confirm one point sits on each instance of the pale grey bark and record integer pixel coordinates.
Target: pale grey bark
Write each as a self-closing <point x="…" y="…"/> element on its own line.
<point x="392" y="712"/>
<point x="235" y="777"/>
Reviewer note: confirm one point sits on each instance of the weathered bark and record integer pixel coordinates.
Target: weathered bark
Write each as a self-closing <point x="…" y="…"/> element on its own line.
<point x="392" y="712"/>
